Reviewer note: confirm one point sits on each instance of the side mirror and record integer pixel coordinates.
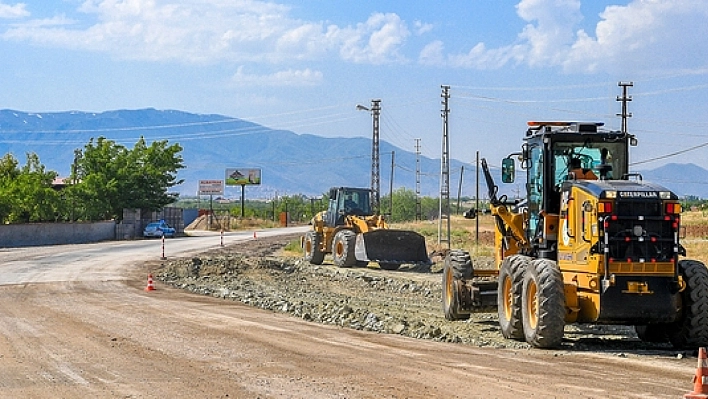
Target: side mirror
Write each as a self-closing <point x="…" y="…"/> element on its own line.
<point x="508" y="170"/>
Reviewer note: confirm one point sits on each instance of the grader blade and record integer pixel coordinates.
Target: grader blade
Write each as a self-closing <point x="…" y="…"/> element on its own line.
<point x="391" y="246"/>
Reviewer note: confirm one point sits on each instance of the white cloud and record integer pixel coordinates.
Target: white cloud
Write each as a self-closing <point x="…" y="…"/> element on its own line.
<point x="432" y="54"/>
<point x="643" y="34"/>
<point x="376" y="41"/>
<point x="13" y="11"/>
<point x="207" y="31"/>
<point x="290" y="77"/>
<point x="550" y="28"/>
<point x="421" y="27"/>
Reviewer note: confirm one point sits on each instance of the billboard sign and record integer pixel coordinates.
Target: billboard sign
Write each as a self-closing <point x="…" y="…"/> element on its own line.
<point x="244" y="176"/>
<point x="211" y="187"/>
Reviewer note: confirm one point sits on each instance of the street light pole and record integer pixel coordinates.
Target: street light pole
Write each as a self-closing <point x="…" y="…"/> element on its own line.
<point x="375" y="159"/>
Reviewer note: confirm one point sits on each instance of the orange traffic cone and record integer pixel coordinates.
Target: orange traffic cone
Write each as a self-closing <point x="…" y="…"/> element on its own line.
<point x="150" y="286"/>
<point x="700" y="380"/>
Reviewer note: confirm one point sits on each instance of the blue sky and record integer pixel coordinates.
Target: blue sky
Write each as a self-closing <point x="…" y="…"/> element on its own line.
<point x="303" y="65"/>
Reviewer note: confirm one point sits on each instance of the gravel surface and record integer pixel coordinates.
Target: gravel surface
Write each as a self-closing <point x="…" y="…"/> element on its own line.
<point x="405" y="302"/>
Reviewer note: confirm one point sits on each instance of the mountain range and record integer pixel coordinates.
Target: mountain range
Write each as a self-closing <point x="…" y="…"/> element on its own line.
<point x="290" y="163"/>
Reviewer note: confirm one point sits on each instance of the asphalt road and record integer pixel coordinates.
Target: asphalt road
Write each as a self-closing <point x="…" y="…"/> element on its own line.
<point x="75" y="322"/>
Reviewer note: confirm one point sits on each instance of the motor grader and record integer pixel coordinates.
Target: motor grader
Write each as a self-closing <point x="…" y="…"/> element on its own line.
<point x="603" y="249"/>
<point x="355" y="235"/>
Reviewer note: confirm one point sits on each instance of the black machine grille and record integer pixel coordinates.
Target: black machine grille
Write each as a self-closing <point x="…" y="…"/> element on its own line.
<point x="639" y="208"/>
<point x="641" y="233"/>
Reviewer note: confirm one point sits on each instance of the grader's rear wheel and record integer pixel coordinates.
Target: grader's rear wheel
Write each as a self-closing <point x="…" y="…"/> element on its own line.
<point x="457" y="270"/>
<point x="343" y="248"/>
<point x="511" y="280"/>
<point x="543" y="304"/>
<point x="691" y="330"/>
<point x="311" y="248"/>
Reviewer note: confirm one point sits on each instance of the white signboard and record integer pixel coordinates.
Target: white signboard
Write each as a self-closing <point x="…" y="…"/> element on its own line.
<point x="211" y="187"/>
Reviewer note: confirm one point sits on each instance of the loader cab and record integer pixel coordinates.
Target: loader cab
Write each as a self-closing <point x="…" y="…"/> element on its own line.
<point x="346" y="201"/>
<point x="548" y="152"/>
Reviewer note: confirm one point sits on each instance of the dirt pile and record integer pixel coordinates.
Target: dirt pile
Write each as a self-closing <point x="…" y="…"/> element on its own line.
<point x="405" y="302"/>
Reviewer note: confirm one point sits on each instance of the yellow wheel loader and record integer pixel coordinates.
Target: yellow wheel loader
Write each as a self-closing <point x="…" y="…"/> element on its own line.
<point x="591" y="243"/>
<point x="355" y="236"/>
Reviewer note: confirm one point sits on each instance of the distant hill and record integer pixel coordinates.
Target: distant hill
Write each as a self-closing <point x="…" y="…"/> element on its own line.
<point x="291" y="163"/>
<point x="683" y="179"/>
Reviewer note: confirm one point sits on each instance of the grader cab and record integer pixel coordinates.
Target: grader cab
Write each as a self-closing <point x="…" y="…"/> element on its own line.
<point x="593" y="243"/>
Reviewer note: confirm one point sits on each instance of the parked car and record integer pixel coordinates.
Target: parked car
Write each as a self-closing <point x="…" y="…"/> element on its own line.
<point x="158" y="229"/>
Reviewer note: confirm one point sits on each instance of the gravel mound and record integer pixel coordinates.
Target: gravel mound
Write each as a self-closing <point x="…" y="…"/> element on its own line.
<point x="405" y="302"/>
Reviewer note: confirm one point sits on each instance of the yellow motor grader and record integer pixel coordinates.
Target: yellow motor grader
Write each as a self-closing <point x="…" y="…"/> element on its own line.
<point x="354" y="235"/>
<point x="591" y="243"/>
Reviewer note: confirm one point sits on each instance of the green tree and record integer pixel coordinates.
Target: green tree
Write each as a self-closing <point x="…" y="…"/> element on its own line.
<point x="111" y="177"/>
<point x="403" y="205"/>
<point x="26" y="193"/>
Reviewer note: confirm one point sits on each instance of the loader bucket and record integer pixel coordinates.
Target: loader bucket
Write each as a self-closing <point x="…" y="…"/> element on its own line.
<point x="391" y="246"/>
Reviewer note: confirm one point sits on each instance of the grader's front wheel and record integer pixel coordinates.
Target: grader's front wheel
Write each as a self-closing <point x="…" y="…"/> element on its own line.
<point x="543" y="304"/>
<point x="511" y="279"/>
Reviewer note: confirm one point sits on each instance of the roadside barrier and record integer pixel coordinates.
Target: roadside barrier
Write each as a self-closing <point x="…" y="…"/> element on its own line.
<point x="700" y="380"/>
<point x="150" y="285"/>
<point x="163" y="257"/>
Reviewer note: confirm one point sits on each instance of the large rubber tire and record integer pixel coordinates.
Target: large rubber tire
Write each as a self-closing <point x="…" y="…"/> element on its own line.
<point x="691" y="330"/>
<point x="343" y="248"/>
<point x="511" y="282"/>
<point x="543" y="304"/>
<point x="654" y="333"/>
<point x="389" y="266"/>
<point x="457" y="270"/>
<point x="311" y="248"/>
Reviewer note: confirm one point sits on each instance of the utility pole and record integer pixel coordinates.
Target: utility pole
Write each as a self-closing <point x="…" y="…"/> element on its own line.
<point x="375" y="160"/>
<point x="444" y="209"/>
<point x="476" y="206"/>
<point x="459" y="188"/>
<point x="390" y="187"/>
<point x="624" y="99"/>
<point x="418" y="210"/>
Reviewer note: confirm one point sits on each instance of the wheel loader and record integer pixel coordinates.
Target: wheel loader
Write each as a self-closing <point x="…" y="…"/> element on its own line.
<point x="355" y="236"/>
<point x="601" y="247"/>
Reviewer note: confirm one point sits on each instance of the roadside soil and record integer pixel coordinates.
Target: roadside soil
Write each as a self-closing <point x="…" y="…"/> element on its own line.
<point x="250" y="321"/>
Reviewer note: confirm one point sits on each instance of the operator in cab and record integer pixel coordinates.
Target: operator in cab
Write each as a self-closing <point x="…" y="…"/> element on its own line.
<point x="577" y="172"/>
